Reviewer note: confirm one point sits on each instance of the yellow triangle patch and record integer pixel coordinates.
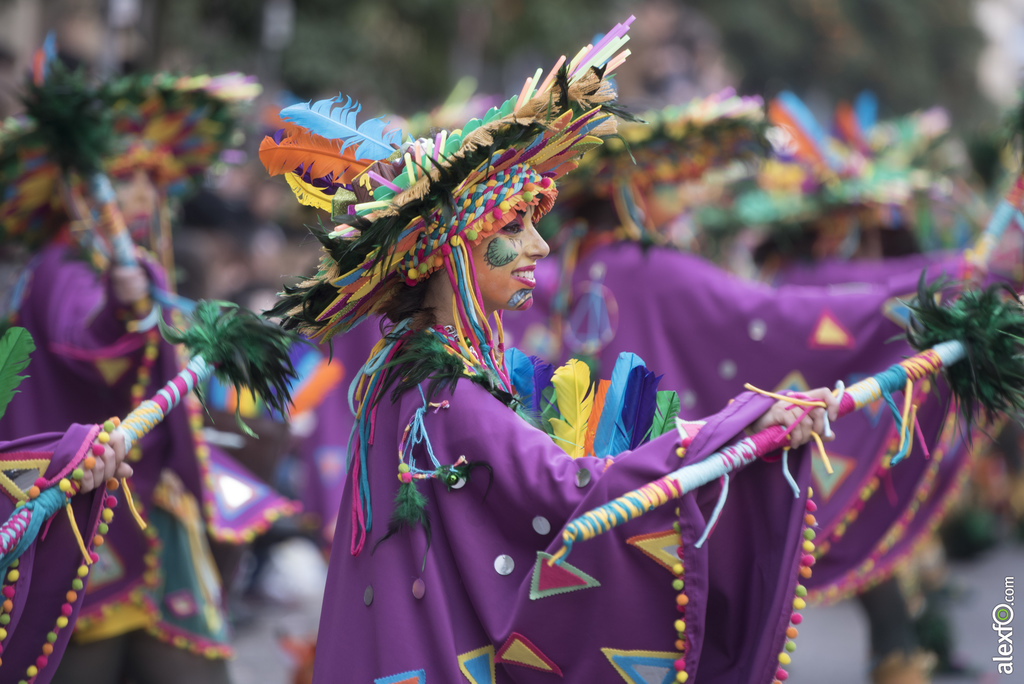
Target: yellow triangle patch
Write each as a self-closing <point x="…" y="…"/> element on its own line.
<point x="113" y="370"/>
<point x="661" y="547"/>
<point x="829" y="333"/>
<point x="518" y="650"/>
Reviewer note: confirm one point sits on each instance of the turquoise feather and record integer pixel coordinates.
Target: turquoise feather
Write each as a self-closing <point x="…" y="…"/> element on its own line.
<point x="335" y="119"/>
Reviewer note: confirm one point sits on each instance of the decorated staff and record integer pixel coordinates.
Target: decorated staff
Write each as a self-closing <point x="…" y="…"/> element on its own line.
<point x="237" y="346"/>
<point x="985" y="328"/>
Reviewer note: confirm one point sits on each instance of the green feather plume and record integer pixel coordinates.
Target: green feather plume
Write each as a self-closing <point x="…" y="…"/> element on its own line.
<point x="410" y="510"/>
<point x="665" y="413"/>
<point x="990" y="325"/>
<point x="15" y="347"/>
<point x="245" y="350"/>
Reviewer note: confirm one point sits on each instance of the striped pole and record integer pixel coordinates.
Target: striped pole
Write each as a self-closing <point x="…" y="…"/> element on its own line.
<point x="150" y="412"/>
<point x="634" y="504"/>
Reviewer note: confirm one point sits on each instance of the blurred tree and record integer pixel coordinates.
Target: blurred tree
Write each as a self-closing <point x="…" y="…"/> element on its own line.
<point x="400" y="54"/>
<point x="912" y="53"/>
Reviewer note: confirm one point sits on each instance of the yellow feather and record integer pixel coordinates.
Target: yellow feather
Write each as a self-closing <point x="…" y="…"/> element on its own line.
<point x="308" y="194"/>
<point x="575" y="401"/>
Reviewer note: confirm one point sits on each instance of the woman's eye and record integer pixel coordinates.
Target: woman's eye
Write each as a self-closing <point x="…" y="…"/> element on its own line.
<point x="512" y="229"/>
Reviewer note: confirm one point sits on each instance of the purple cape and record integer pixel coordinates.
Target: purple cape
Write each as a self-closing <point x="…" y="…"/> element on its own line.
<point x="480" y="604"/>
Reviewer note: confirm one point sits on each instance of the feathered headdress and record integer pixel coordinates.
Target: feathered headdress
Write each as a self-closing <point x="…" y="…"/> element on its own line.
<point x="175" y="126"/>
<point x="411" y="208"/>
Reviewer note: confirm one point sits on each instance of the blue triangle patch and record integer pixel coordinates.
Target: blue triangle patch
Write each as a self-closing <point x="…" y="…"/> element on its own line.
<point x="643" y="667"/>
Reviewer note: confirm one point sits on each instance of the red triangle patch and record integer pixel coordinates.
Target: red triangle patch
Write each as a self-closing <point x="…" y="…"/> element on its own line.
<point x="518" y="650"/>
<point x="556" y="577"/>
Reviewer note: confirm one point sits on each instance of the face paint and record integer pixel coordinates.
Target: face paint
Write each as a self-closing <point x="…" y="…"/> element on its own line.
<point x="523" y="299"/>
<point x="500" y="252"/>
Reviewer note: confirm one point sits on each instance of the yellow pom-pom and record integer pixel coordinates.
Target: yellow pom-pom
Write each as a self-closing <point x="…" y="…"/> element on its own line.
<point x="64" y="486"/>
<point x="62" y="622"/>
<point x="680" y="626"/>
<point x="682" y="676"/>
<point x="677" y="569"/>
<point x="83" y="570"/>
<point x="107" y="515"/>
<point x="799" y="603"/>
<point x="32" y="671"/>
<point x="103" y="437"/>
<point x="13" y="576"/>
<point x="808" y="546"/>
<point x="785" y="659"/>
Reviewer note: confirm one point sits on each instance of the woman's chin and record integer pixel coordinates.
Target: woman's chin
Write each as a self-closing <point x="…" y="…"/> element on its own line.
<point x="520" y="301"/>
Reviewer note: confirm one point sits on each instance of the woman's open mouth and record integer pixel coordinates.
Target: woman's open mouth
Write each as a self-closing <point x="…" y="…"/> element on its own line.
<point x="525" y="276"/>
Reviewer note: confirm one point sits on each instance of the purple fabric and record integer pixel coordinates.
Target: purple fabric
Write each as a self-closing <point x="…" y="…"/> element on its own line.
<point x="376" y="628"/>
<point x="47" y="569"/>
<point x="708" y="332"/>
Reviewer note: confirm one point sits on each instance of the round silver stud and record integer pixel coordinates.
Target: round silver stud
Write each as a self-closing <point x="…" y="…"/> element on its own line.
<point x="541" y="525"/>
<point x="368" y="595"/>
<point x="688" y="399"/>
<point x="757" y="329"/>
<point x="419" y="588"/>
<point x="582" y="477"/>
<point x="727" y="369"/>
<point x="504" y="565"/>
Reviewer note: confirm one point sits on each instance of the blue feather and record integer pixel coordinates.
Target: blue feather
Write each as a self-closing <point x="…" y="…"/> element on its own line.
<point x="335" y="119"/>
<point x="803" y="116"/>
<point x="866" y="109"/>
<point x="520" y="370"/>
<point x="613" y="399"/>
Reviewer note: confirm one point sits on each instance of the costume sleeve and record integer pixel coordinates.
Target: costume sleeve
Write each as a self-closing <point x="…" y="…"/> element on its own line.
<point x="43" y="591"/>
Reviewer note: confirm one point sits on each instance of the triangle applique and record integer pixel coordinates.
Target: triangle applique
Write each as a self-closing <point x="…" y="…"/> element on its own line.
<point x="410" y="677"/>
<point x="233" y="494"/>
<point x="478" y="665"/>
<point x="17" y="475"/>
<point x="688" y="429"/>
<point x="661" y="547"/>
<point x="897" y="311"/>
<point x="108" y="568"/>
<point x="112" y="370"/>
<point x="825" y="485"/>
<point x="829" y="333"/>
<point x="330" y="462"/>
<point x="518" y="650"/>
<point x="549" y="580"/>
<point x="643" y="667"/>
<point x="793" y="382"/>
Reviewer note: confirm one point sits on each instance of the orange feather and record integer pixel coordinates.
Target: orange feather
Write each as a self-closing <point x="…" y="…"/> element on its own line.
<point x="301" y="148"/>
<point x="595" y="415"/>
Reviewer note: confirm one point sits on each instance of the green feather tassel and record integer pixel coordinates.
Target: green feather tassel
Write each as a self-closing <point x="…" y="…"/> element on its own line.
<point x="246" y="350"/>
<point x="410" y="510"/>
<point x="15" y="347"/>
<point x="990" y="324"/>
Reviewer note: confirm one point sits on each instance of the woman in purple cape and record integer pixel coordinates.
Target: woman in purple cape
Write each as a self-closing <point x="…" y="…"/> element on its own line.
<point x="441" y="568"/>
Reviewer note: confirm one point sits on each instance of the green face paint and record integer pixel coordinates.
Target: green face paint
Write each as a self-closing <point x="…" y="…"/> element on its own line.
<point x="500" y="252"/>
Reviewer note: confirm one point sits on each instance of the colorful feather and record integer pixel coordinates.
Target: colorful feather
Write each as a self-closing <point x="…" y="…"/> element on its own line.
<point x="612" y="411"/>
<point x="316" y="155"/>
<point x="595" y="413"/>
<point x="575" y="401"/>
<point x="520" y="369"/>
<point x="665" y="415"/>
<point x="336" y="119"/>
<point x="638" y="405"/>
<point x="15" y="347"/>
<point x="307" y="193"/>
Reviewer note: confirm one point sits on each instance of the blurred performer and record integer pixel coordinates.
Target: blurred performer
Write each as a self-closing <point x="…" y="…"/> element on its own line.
<point x="153" y="609"/>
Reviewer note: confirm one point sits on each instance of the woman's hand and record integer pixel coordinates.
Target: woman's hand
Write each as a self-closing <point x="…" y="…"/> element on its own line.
<point x="108" y="465"/>
<point x="785" y="414"/>
<point x="130" y="284"/>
